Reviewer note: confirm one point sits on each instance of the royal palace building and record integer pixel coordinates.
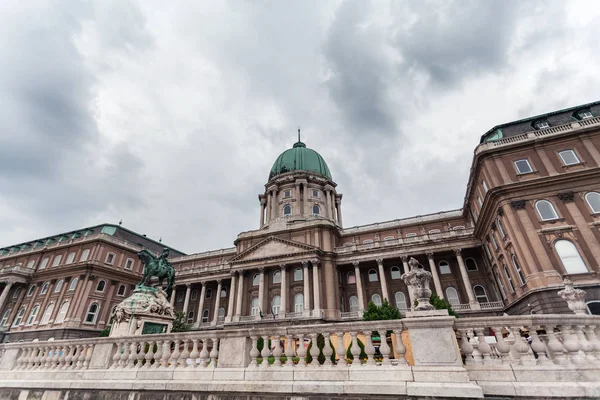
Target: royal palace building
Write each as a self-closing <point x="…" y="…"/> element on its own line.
<point x="530" y="218"/>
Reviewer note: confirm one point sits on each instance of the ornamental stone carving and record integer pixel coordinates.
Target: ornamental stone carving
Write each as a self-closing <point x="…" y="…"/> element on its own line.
<point x="518" y="204"/>
<point x="575" y="298"/>
<point x="144" y="303"/>
<point x="500" y="211"/>
<point x="566" y="197"/>
<point x="417" y="280"/>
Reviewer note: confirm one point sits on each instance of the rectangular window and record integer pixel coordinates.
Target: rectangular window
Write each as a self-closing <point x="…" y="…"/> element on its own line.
<point x="569" y="157"/>
<point x="408" y="235"/>
<point x="129" y="263"/>
<point x="541" y="124"/>
<point x="315" y="193"/>
<point x="484" y="186"/>
<point x="479" y="202"/>
<point x="287" y="193"/>
<point x="31" y="264"/>
<point x="57" y="260"/>
<point x="523" y="166"/>
<point x="509" y="279"/>
<point x="585" y="114"/>
<point x="494" y="242"/>
<point x="84" y="255"/>
<point x="110" y="258"/>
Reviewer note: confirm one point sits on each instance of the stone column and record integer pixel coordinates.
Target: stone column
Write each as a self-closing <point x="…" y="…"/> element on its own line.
<point x="436" y="276"/>
<point x="306" y="288"/>
<point x="273" y="203"/>
<point x="359" y="288"/>
<point x="240" y="291"/>
<point x="298" y="210"/>
<point x="263" y="202"/>
<point x="261" y="291"/>
<point x="269" y="205"/>
<point x="186" y="302"/>
<point x="328" y="204"/>
<point x="217" y="303"/>
<point x="4" y="294"/>
<point x="382" y="279"/>
<point x="173" y="295"/>
<point x="305" y="199"/>
<point x="338" y="204"/>
<point x="406" y="269"/>
<point x="231" y="298"/>
<point x="316" y="288"/>
<point x="201" y="304"/>
<point x="466" y="281"/>
<point x="284" y="293"/>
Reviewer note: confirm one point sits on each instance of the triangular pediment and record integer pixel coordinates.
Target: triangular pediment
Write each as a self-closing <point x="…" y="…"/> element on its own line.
<point x="273" y="247"/>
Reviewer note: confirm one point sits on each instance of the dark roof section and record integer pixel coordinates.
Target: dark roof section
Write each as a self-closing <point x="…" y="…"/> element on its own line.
<point x="554" y="118"/>
<point x="116" y="231"/>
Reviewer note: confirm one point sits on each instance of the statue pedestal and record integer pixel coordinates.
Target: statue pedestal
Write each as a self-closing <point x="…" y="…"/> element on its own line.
<point x="146" y="311"/>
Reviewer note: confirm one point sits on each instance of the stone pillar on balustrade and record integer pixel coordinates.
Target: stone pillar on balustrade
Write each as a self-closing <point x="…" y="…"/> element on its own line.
<point x="473" y="303"/>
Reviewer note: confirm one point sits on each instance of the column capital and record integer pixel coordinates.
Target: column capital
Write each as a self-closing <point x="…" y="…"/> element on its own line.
<point x="283" y="267"/>
<point x="315" y="262"/>
<point x="219" y="281"/>
<point x="261" y="270"/>
<point x="457" y="251"/>
<point x="187" y="285"/>
<point x="404" y="258"/>
<point x="232" y="273"/>
<point x="355" y="263"/>
<point x="430" y="255"/>
<point x="241" y="272"/>
<point x="379" y="261"/>
<point x="304" y="264"/>
<point x="203" y="283"/>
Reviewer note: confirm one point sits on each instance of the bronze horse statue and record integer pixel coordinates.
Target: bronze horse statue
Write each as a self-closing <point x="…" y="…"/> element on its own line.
<point x="158" y="267"/>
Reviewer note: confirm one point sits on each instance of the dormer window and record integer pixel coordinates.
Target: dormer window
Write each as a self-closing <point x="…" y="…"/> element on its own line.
<point x="584" y="114"/>
<point x="541" y="124"/>
<point x="287" y="193"/>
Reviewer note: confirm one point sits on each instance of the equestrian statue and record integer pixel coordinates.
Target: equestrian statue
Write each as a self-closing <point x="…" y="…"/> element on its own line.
<point x="157" y="267"/>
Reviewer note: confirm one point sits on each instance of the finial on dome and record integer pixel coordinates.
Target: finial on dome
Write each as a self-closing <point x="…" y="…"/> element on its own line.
<point x="299" y="134"/>
<point x="299" y="142"/>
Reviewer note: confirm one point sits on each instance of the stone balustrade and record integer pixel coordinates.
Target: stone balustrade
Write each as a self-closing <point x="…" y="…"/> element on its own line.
<point x="538" y="355"/>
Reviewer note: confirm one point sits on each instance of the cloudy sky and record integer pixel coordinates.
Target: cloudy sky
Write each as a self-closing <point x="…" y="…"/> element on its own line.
<point x="169" y="115"/>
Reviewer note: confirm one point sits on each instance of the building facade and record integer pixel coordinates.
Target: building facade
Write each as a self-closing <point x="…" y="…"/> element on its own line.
<point x="531" y="217"/>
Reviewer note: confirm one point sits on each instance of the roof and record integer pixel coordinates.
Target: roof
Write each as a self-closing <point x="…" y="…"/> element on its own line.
<point x="300" y="158"/>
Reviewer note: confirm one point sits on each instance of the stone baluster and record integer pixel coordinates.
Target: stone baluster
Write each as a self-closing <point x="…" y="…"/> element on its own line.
<point x="384" y="348"/>
<point x="483" y="346"/>
<point x="139" y="357"/>
<point x="117" y="356"/>
<point x="277" y="352"/>
<point x="264" y="353"/>
<point x="214" y="353"/>
<point x="80" y="356"/>
<point x="369" y="348"/>
<point x="557" y="350"/>
<point x="539" y="347"/>
<point x="341" y="350"/>
<point x="314" y="350"/>
<point x="522" y="347"/>
<point x="174" y="359"/>
<point x="253" y="351"/>
<point x="56" y="357"/>
<point x="571" y="345"/>
<point x="43" y="357"/>
<point x="50" y="358"/>
<point x="36" y="358"/>
<point x="124" y="355"/>
<point x="23" y="359"/>
<point x="67" y="360"/>
<point x="593" y="339"/>
<point x="327" y="350"/>
<point x="289" y="351"/>
<point x="400" y="348"/>
<point x="584" y="343"/>
<point x="501" y="345"/>
<point x="89" y="349"/>
<point x="301" y="351"/>
<point x="355" y="350"/>
<point x="195" y="353"/>
<point x="204" y="353"/>
<point x="477" y="356"/>
<point x="150" y="355"/>
<point x="62" y="359"/>
<point x="185" y="354"/>
<point x="465" y="347"/>
<point x="164" y="353"/>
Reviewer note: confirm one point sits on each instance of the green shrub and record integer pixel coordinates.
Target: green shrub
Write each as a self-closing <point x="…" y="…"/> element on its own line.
<point x="320" y="345"/>
<point x="384" y="312"/>
<point x="179" y="324"/>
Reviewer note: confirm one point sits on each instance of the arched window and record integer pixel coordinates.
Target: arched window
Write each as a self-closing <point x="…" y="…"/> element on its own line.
<point x="316" y="210"/>
<point x="351" y="278"/>
<point x="511" y="285"/>
<point x="19" y="317"/>
<point x="190" y="317"/>
<point x="500" y="228"/>
<point x="101" y="286"/>
<point x="593" y="200"/>
<point x="221" y="313"/>
<point x="373" y="276"/>
<point x="298" y="274"/>
<point x="400" y="300"/>
<point x="471" y="264"/>
<point x="194" y="295"/>
<point x="480" y="294"/>
<point x="17" y="292"/>
<point x="205" y="315"/>
<point x="47" y="314"/>
<point x="254" y="306"/>
<point x="570" y="257"/>
<point x="546" y="210"/>
<point x="58" y="286"/>
<point x="224" y="291"/>
<point x="276" y="276"/>
<point x="84" y="255"/>
<point x="208" y="293"/>
<point x="287" y="210"/>
<point x="353" y="301"/>
<point x="518" y="269"/>
<point x="73" y="284"/>
<point x="179" y="297"/>
<point x="121" y="291"/>
<point x="43" y="264"/>
<point x="444" y="268"/>
<point x="500" y="284"/>
<point x="395" y="271"/>
<point x="92" y="313"/>
<point x="30" y="290"/>
<point x="44" y="289"/>
<point x="62" y="312"/>
<point x="70" y="258"/>
<point x="255" y="279"/>
<point x="275" y="304"/>
<point x="298" y="302"/>
<point x="4" y="320"/>
<point x="452" y="296"/>
<point x="33" y="314"/>
<point x="376" y="299"/>
<point x="593" y="307"/>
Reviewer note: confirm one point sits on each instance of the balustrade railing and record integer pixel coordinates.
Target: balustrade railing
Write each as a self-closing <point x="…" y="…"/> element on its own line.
<point x="54" y="356"/>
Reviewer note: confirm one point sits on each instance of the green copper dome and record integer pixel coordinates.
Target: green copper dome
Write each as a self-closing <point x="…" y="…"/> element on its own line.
<point x="300" y="158"/>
